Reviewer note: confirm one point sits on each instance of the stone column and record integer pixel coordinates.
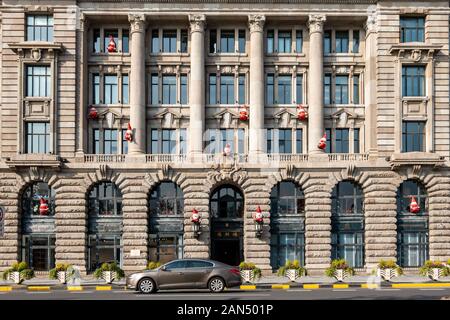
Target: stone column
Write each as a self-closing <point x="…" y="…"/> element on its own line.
<point x="315" y="82"/>
<point x="137" y="85"/>
<point x="370" y="85"/>
<point x="197" y="86"/>
<point x="256" y="123"/>
<point x="83" y="86"/>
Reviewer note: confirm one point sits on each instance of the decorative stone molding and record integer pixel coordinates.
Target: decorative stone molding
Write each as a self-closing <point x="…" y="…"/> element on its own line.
<point x="38" y="160"/>
<point x="256" y="22"/>
<point x="415" y="52"/>
<point x="372" y="23"/>
<point x="137" y="22"/>
<point x="289" y="173"/>
<point x="166" y="173"/>
<point x="226" y="173"/>
<point x="197" y="22"/>
<point x="316" y="22"/>
<point x="399" y="160"/>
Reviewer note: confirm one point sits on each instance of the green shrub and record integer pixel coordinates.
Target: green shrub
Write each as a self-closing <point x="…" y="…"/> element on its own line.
<point x="22" y="267"/>
<point x="250" y="266"/>
<point x="429" y="265"/>
<point x="109" y="267"/>
<point x="338" y="264"/>
<point x="295" y="264"/>
<point x="389" y="264"/>
<point x="53" y="274"/>
<point x="153" y="265"/>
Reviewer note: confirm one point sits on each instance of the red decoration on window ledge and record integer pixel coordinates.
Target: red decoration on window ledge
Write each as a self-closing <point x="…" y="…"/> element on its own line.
<point x="112" y="44"/>
<point x="322" y="142"/>
<point x="258" y="215"/>
<point x="413" y="206"/>
<point x="129" y="133"/>
<point x="195" y="218"/>
<point x="227" y="150"/>
<point x="43" y="207"/>
<point x="301" y="113"/>
<point x="93" y="114"/>
<point x="243" y="113"/>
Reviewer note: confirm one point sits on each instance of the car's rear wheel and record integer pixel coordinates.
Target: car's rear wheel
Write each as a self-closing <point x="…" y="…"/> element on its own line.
<point x="216" y="284"/>
<point x="146" y="285"/>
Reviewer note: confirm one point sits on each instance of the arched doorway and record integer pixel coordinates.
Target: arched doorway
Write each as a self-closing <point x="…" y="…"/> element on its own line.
<point x="227" y="220"/>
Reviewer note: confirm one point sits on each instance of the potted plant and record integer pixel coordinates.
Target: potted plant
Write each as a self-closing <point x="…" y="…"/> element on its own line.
<point x="434" y="270"/>
<point x="292" y="270"/>
<point x="339" y="269"/>
<point x="109" y="272"/>
<point x="153" y="265"/>
<point x="388" y="269"/>
<point x="249" y="271"/>
<point x="61" y="272"/>
<point x="18" y="272"/>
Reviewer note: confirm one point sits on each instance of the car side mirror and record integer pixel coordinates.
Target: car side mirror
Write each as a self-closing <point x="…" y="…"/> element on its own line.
<point x="163" y="268"/>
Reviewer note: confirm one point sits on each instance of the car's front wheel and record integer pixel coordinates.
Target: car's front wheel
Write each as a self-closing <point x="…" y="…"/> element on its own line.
<point x="216" y="284"/>
<point x="146" y="285"/>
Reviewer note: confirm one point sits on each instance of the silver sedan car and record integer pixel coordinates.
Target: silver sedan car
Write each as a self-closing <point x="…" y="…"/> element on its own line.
<point x="186" y="274"/>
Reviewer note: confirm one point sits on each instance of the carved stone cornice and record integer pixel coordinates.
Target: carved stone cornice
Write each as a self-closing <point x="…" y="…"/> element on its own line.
<point x="415" y="52"/>
<point x="372" y="23"/>
<point x="197" y="22"/>
<point x="256" y="22"/>
<point x="398" y="160"/>
<point x="316" y="22"/>
<point x="137" y="22"/>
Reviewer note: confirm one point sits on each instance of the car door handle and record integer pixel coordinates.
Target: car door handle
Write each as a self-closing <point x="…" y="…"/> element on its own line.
<point x="180" y="273"/>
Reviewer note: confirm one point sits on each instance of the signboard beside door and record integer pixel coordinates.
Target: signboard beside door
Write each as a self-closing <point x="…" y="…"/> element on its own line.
<point x="2" y="221"/>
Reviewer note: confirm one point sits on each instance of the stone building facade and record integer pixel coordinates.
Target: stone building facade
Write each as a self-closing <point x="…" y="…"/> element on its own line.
<point x="372" y="74"/>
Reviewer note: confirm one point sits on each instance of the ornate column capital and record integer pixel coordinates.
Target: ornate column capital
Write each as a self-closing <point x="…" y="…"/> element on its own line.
<point x="371" y="23"/>
<point x="256" y="22"/>
<point x="197" y="22"/>
<point x="137" y="22"/>
<point x="316" y="22"/>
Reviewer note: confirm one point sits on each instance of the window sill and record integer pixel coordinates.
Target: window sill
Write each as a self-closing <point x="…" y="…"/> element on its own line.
<point x="170" y="54"/>
<point x="415" y="98"/>
<point x="286" y="54"/>
<point x="227" y="54"/>
<point x="168" y="105"/>
<point x="34" y="159"/>
<point x="105" y="54"/>
<point x="341" y="54"/>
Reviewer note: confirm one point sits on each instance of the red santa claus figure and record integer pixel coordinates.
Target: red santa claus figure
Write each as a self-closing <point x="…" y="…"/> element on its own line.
<point x="195" y="218"/>
<point x="129" y="133"/>
<point x="322" y="142"/>
<point x="112" y="44"/>
<point x="93" y="114"/>
<point x="258" y="215"/>
<point x="43" y="207"/>
<point x="301" y="113"/>
<point x="227" y="150"/>
<point x="243" y="113"/>
<point x="413" y="206"/>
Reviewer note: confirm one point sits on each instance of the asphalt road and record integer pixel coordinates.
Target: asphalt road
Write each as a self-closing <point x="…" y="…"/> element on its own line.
<point x="260" y="294"/>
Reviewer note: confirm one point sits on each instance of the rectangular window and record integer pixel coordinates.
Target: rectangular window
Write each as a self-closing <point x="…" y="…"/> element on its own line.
<point x="299" y="140"/>
<point x="342" y="141"/>
<point x="212" y="89"/>
<point x="355" y="41"/>
<point x="96" y="88"/>
<point x="183" y="141"/>
<point x="38" y="137"/>
<point x="241" y="141"/>
<point x="184" y="89"/>
<point x="341" y="90"/>
<point x="110" y="141"/>
<point x="270" y="139"/>
<point x="327" y="42"/>
<point x="184" y="41"/>
<point x="40" y="28"/>
<point x="241" y="41"/>
<point x="213" y="41"/>
<point x="412" y="29"/>
<point x="285" y="140"/>
<point x="211" y="141"/>
<point x="154" y="137"/>
<point x="269" y="88"/>
<point x="299" y="41"/>
<point x="96" y="38"/>
<point x="356" y="140"/>
<point x="241" y="89"/>
<point x="227" y="90"/>
<point x="125" y="41"/>
<point x="125" y="89"/>
<point x="284" y="89"/>
<point x="284" y="41"/>
<point x="227" y="136"/>
<point x="299" y="89"/>
<point x="107" y="36"/>
<point x="155" y="41"/>
<point x="124" y="142"/>
<point x="356" y="89"/>
<point x="96" y="141"/>
<point x="227" y="41"/>
<point x="38" y="81"/>
<point x="110" y="92"/>
<point x="270" y="41"/>
<point x="154" y="90"/>
<point x="341" y="41"/>
<point x="413" y="136"/>
<point x="413" y="81"/>
<point x="327" y="88"/>
<point x="169" y="84"/>
<point x="328" y="148"/>
<point x="170" y="41"/>
<point x="169" y="141"/>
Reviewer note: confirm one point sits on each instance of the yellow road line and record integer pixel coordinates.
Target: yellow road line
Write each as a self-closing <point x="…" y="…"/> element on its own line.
<point x="75" y="288"/>
<point x="3" y="289"/>
<point x="310" y="286"/>
<point x="248" y="287"/>
<point x="420" y="285"/>
<point x="103" y="288"/>
<point x="280" y="286"/>
<point x="39" y="288"/>
<point x="340" y="286"/>
<point x="370" y="286"/>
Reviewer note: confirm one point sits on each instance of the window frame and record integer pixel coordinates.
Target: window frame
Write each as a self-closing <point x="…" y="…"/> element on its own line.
<point x="48" y="27"/>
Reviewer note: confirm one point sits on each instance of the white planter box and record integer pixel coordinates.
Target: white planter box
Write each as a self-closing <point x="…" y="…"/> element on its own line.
<point x="62" y="276"/>
<point x="15" y="277"/>
<point x="387" y="274"/>
<point x="247" y="275"/>
<point x="435" y="273"/>
<point x="109" y="276"/>
<point x="340" y="274"/>
<point x="293" y="274"/>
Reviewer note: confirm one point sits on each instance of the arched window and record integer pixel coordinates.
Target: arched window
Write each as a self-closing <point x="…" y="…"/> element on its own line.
<point x="347" y="223"/>
<point x="412" y="228"/>
<point x="104" y="225"/>
<point x="287" y="224"/>
<point x="227" y="202"/>
<point x="38" y="226"/>
<point x="166" y="222"/>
